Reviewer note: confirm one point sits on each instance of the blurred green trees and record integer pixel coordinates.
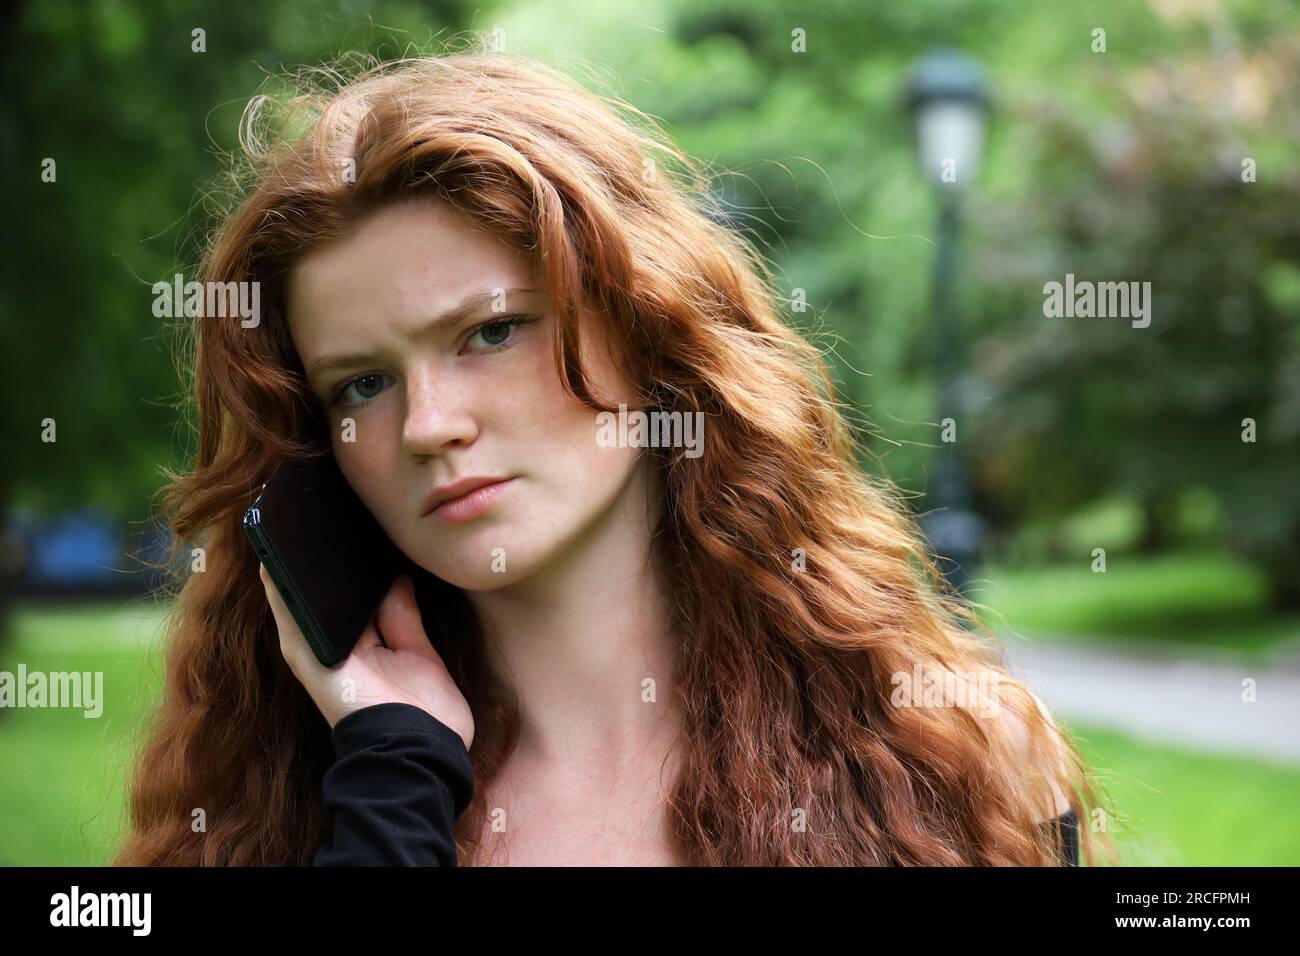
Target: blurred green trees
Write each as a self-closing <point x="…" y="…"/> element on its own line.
<point x="1122" y="165"/>
<point x="1189" y="183"/>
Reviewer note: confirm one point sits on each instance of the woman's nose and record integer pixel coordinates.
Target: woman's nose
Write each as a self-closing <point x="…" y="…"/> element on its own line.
<point x="438" y="415"/>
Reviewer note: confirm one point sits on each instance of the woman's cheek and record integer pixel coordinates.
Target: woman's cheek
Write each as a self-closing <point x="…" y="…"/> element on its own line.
<point x="358" y="441"/>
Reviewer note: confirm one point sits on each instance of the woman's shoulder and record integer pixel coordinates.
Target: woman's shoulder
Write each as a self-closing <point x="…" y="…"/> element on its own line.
<point x="1038" y="762"/>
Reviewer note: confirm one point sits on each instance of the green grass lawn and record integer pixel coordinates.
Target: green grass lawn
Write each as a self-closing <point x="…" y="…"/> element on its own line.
<point x="63" y="790"/>
<point x="1205" y="600"/>
<point x="1178" y="808"/>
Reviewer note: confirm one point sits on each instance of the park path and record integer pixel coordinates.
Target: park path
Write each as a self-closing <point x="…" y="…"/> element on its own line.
<point x="1167" y="695"/>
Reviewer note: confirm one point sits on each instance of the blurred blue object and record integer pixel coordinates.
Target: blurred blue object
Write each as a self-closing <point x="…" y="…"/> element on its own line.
<point x="74" y="549"/>
<point x="84" y="551"/>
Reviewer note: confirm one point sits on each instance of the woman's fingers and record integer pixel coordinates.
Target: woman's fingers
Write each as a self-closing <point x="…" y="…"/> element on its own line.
<point x="297" y="652"/>
<point x="369" y="638"/>
<point x="399" y="618"/>
<point x="292" y="644"/>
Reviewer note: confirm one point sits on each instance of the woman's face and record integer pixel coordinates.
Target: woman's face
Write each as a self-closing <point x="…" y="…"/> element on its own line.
<point x="435" y="396"/>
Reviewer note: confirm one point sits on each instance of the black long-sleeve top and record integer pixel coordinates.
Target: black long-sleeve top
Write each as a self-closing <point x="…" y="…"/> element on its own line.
<point x="402" y="777"/>
<point x="399" y="780"/>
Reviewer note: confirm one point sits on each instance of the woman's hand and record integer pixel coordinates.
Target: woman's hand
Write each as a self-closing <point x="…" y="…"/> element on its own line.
<point x="403" y="667"/>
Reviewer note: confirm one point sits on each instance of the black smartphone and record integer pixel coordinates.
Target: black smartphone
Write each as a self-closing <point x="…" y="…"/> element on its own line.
<point x="327" y="556"/>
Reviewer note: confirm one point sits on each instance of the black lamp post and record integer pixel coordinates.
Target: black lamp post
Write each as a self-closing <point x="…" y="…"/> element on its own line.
<point x="947" y="99"/>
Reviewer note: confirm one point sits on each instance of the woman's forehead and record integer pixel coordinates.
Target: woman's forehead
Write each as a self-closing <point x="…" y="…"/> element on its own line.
<point x="408" y="261"/>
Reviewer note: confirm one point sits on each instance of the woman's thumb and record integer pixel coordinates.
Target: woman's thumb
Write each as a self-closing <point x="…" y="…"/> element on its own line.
<point x="399" y="619"/>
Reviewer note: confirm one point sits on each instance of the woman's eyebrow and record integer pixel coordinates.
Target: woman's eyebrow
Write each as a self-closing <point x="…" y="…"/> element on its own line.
<point x="466" y="307"/>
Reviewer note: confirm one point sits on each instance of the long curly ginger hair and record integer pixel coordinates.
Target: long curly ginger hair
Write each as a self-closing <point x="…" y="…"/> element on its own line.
<point x="801" y="586"/>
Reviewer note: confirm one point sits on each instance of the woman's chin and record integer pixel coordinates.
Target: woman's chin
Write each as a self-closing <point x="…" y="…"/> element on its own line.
<point x="479" y="565"/>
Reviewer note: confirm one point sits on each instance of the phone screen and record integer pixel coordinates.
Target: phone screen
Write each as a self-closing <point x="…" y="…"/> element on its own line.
<point x="326" y="554"/>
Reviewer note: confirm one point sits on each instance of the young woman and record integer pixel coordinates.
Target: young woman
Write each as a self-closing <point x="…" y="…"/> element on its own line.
<point x="705" y="650"/>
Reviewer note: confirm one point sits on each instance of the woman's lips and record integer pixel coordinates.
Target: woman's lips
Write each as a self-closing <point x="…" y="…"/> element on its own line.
<point x="472" y="504"/>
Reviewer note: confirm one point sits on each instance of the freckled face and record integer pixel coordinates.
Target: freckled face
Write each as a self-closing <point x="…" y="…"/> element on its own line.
<point x="433" y="402"/>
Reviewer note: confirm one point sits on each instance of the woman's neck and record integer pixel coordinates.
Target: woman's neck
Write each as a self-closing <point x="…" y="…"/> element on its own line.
<point x="587" y="645"/>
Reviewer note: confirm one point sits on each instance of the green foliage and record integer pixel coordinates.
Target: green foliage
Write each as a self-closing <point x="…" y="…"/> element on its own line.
<point x="1114" y="165"/>
<point x="1078" y="409"/>
<point x="138" y="123"/>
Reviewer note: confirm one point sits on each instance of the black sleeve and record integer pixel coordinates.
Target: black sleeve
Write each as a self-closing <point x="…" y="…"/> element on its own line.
<point x="1068" y="832"/>
<point x="400" y="779"/>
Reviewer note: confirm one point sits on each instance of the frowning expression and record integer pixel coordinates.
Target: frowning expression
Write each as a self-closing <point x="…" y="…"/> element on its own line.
<point x="430" y="343"/>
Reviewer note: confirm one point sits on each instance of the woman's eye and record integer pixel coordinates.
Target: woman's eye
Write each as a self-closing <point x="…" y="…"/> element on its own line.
<point x="496" y="333"/>
<point x="363" y="387"/>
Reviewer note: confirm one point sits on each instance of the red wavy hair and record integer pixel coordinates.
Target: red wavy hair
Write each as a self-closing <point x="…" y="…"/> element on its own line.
<point x="786" y="674"/>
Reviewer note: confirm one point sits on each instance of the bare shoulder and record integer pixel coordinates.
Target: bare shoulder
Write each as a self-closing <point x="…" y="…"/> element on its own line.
<point x="1041" y="760"/>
